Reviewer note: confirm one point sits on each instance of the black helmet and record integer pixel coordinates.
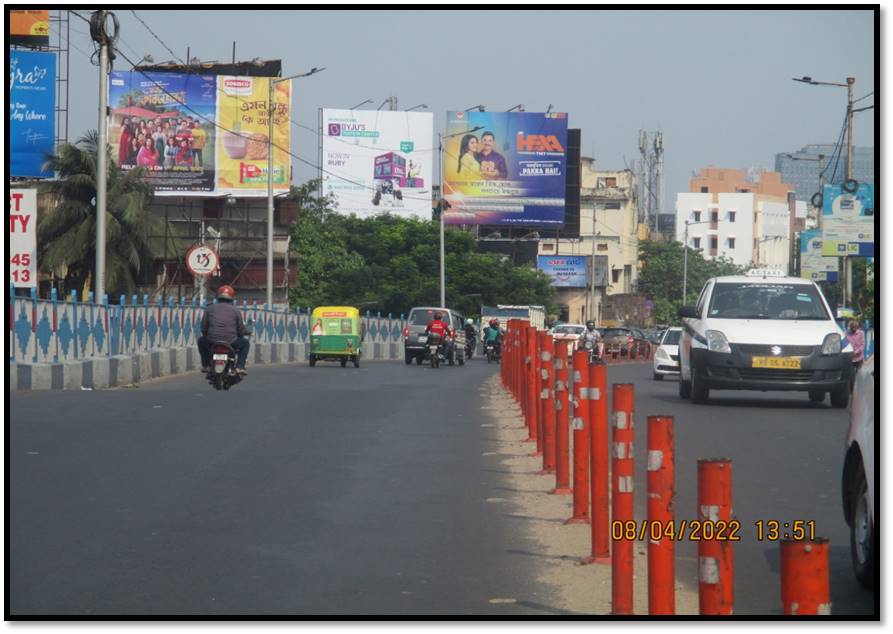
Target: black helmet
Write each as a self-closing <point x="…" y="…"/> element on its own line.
<point x="590" y="324"/>
<point x="438" y="315"/>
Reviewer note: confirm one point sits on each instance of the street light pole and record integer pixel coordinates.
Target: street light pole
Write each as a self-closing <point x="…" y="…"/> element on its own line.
<point x="270" y="112"/>
<point x="685" y="265"/>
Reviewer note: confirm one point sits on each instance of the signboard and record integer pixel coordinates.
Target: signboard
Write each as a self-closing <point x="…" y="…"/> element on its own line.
<point x="813" y="266"/>
<point x="23" y="237"/>
<point x="29" y="27"/>
<point x="505" y="168"/>
<point x="199" y="135"/>
<point x="848" y="221"/>
<point x="202" y="260"/>
<point x="32" y="112"/>
<point x="566" y="271"/>
<point x="378" y="161"/>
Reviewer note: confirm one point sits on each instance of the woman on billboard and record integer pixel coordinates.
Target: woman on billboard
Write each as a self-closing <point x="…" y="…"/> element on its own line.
<point x="467" y="150"/>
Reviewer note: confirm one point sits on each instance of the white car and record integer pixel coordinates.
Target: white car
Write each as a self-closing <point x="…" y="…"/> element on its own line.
<point x="858" y="477"/>
<point x="570" y="333"/>
<point x="666" y="357"/>
<point x="763" y="331"/>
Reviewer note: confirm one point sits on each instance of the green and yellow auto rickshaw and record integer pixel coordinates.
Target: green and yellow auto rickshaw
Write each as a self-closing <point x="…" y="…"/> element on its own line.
<point x="335" y="335"/>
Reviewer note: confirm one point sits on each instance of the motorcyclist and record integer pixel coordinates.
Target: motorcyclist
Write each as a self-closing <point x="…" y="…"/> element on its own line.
<point x="470" y="334"/>
<point x="439" y="327"/>
<point x="593" y="335"/>
<point x="222" y="323"/>
<point x="493" y="334"/>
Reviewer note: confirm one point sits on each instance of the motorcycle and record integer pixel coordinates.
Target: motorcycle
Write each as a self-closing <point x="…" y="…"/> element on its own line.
<point x="469" y="349"/>
<point x="492" y="352"/>
<point x="592" y="348"/>
<point x="434" y="349"/>
<point x="223" y="373"/>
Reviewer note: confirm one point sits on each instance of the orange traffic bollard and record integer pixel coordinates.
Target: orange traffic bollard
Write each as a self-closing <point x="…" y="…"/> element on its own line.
<point x="716" y="589"/>
<point x="622" y="500"/>
<point x="661" y="549"/>
<point x="581" y="424"/>
<point x="547" y="398"/>
<point x="522" y="372"/>
<point x="538" y="376"/>
<point x="805" y="582"/>
<point x="599" y="455"/>
<point x="532" y="352"/>
<point x="562" y="411"/>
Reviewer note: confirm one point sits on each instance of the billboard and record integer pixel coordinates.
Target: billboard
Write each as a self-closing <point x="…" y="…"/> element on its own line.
<point x="29" y="28"/>
<point x="505" y="168"/>
<point x="23" y="237"/>
<point x="848" y="221"/>
<point x="813" y="266"/>
<point x="197" y="134"/>
<point x="378" y="161"/>
<point x="573" y="271"/>
<point x="32" y="112"/>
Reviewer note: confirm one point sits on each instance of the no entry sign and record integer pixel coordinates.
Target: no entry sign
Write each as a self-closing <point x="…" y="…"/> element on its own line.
<point x="23" y="237"/>
<point x="202" y="260"/>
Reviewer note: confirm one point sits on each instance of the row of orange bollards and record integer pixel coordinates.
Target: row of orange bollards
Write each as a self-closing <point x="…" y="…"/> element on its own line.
<point x="535" y="371"/>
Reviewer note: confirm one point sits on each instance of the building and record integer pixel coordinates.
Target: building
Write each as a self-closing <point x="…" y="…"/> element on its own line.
<point x="746" y="216"/>
<point x="608" y="238"/>
<point x="801" y="168"/>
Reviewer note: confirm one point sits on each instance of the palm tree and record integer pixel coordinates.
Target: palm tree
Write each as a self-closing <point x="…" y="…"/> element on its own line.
<point x="66" y="237"/>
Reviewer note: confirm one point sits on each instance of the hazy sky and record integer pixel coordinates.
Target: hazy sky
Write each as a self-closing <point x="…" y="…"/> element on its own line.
<point x="717" y="83"/>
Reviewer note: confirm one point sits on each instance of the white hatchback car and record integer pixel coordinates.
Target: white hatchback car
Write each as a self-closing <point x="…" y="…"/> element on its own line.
<point x="763" y="331"/>
<point x="666" y="357"/>
<point x="858" y="476"/>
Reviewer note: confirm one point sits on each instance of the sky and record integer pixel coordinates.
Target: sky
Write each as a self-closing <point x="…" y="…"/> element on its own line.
<point x="716" y="83"/>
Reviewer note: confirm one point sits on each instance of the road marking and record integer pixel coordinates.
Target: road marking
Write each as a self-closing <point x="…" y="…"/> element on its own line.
<point x="33" y="453"/>
<point x="495" y="500"/>
<point x="488" y="425"/>
<point x="489" y="453"/>
<point x="503" y="600"/>
<point x="156" y="407"/>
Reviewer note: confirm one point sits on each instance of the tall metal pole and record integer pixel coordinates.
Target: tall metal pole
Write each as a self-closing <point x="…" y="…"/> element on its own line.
<point x="441" y="205"/>
<point x="270" y="197"/>
<point x="685" y="265"/>
<point x="847" y="263"/>
<point x="592" y="279"/>
<point x="101" y="167"/>
<point x="819" y="222"/>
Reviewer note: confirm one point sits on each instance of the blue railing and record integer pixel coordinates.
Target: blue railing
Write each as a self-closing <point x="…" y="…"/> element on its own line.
<point x="54" y="330"/>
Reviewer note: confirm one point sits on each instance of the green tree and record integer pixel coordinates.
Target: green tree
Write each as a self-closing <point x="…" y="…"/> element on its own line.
<point x="66" y="236"/>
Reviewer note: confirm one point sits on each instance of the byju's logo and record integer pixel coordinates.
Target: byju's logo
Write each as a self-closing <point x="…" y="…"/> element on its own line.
<point x="334" y="129"/>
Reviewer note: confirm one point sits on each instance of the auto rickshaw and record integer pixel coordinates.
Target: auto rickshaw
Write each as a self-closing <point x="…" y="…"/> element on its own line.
<point x="335" y="335"/>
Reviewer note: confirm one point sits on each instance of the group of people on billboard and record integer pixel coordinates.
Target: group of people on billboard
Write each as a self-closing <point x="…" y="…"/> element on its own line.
<point x="169" y="143"/>
<point x="478" y="159"/>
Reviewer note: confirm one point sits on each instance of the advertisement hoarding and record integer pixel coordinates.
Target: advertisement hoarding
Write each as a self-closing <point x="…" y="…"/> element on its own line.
<point x="848" y="221"/>
<point x="23" y="237"/>
<point x="29" y="27"/>
<point x="505" y="168"/>
<point x="377" y="161"/>
<point x="199" y="135"/>
<point x="32" y="112"/>
<point x="813" y="266"/>
<point x="573" y="271"/>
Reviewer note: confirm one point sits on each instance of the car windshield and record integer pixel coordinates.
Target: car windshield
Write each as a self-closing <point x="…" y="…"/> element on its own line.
<point x="762" y="300"/>
<point x="616" y="332"/>
<point x="568" y="330"/>
<point x="422" y="317"/>
<point x="671" y="338"/>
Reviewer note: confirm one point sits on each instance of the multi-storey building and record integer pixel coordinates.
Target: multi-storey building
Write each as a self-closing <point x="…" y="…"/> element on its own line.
<point x="801" y="168"/>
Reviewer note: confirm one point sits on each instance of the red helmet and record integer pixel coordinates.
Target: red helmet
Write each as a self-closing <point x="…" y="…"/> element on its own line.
<point x="226" y="292"/>
<point x="494" y="323"/>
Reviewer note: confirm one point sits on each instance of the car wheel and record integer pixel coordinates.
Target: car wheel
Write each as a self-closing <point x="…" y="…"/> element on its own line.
<point x="862" y="536"/>
<point x="816" y="396"/>
<point x="418" y="360"/>
<point x="658" y="377"/>
<point x="312" y="360"/>
<point x="700" y="393"/>
<point x="840" y="397"/>
<point x="343" y="362"/>
<point x="408" y="358"/>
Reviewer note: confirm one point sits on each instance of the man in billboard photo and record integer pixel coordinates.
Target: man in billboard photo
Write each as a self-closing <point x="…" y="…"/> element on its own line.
<point x="493" y="165"/>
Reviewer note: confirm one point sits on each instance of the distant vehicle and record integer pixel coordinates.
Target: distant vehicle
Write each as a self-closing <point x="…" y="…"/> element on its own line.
<point x="858" y="477"/>
<point x="418" y="320"/>
<point x="335" y="335"/>
<point x="666" y="357"/>
<point x="618" y="342"/>
<point x="763" y="331"/>
<point x="570" y="333"/>
<point x="503" y="312"/>
<point x="223" y="374"/>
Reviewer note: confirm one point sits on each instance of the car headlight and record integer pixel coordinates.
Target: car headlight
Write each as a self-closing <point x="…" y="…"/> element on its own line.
<point x="588" y="344"/>
<point x="831" y="344"/>
<point x="717" y="342"/>
<point x="661" y="354"/>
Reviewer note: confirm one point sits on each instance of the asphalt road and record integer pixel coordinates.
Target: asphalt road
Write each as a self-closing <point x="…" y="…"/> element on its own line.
<point x="301" y="491"/>
<point x="334" y="491"/>
<point x="787" y="457"/>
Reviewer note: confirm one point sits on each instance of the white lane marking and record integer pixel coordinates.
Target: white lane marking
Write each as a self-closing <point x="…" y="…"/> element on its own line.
<point x="498" y="600"/>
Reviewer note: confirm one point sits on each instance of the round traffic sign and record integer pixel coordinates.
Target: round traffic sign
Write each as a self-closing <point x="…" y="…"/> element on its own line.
<point x="202" y="260"/>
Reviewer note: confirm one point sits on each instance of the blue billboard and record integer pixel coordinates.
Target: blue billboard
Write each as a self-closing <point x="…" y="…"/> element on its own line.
<point x="565" y="271"/>
<point x="505" y="168"/>
<point x="32" y="112"/>
<point x="848" y="221"/>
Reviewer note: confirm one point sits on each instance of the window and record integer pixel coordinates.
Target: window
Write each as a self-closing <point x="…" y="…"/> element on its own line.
<point x="697" y="216"/>
<point x="601" y="247"/>
<point x="696" y="243"/>
<point x="713" y="242"/>
<point x="615" y="275"/>
<point x="612" y="206"/>
<point x="731" y="243"/>
<point x="548" y="247"/>
<point x="705" y="189"/>
<point x="731" y="216"/>
<point x="763" y="300"/>
<point x="714" y="216"/>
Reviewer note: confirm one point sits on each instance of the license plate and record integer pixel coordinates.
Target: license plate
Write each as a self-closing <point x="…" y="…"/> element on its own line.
<point x="423" y="339"/>
<point x="773" y="362"/>
<point x="220" y="357"/>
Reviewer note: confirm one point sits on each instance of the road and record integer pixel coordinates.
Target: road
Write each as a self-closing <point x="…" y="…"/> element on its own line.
<point x="333" y="491"/>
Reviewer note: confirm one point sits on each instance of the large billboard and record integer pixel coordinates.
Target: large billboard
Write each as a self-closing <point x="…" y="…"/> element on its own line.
<point x="32" y="112"/>
<point x="23" y="237"/>
<point x="29" y="27"/>
<point x="848" y="221"/>
<point x="813" y="266"/>
<point x="573" y="271"/>
<point x="376" y="161"/>
<point x="199" y="135"/>
<point x="505" y="168"/>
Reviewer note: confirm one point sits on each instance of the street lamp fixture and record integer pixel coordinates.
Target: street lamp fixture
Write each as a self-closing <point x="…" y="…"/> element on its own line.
<point x="270" y="111"/>
<point x="147" y="59"/>
<point x="388" y="100"/>
<point x="421" y="105"/>
<point x="519" y="108"/>
<point x="478" y="107"/>
<point x="361" y="104"/>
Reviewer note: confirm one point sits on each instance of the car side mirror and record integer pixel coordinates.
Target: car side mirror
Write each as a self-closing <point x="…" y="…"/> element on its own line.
<point x="690" y="312"/>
